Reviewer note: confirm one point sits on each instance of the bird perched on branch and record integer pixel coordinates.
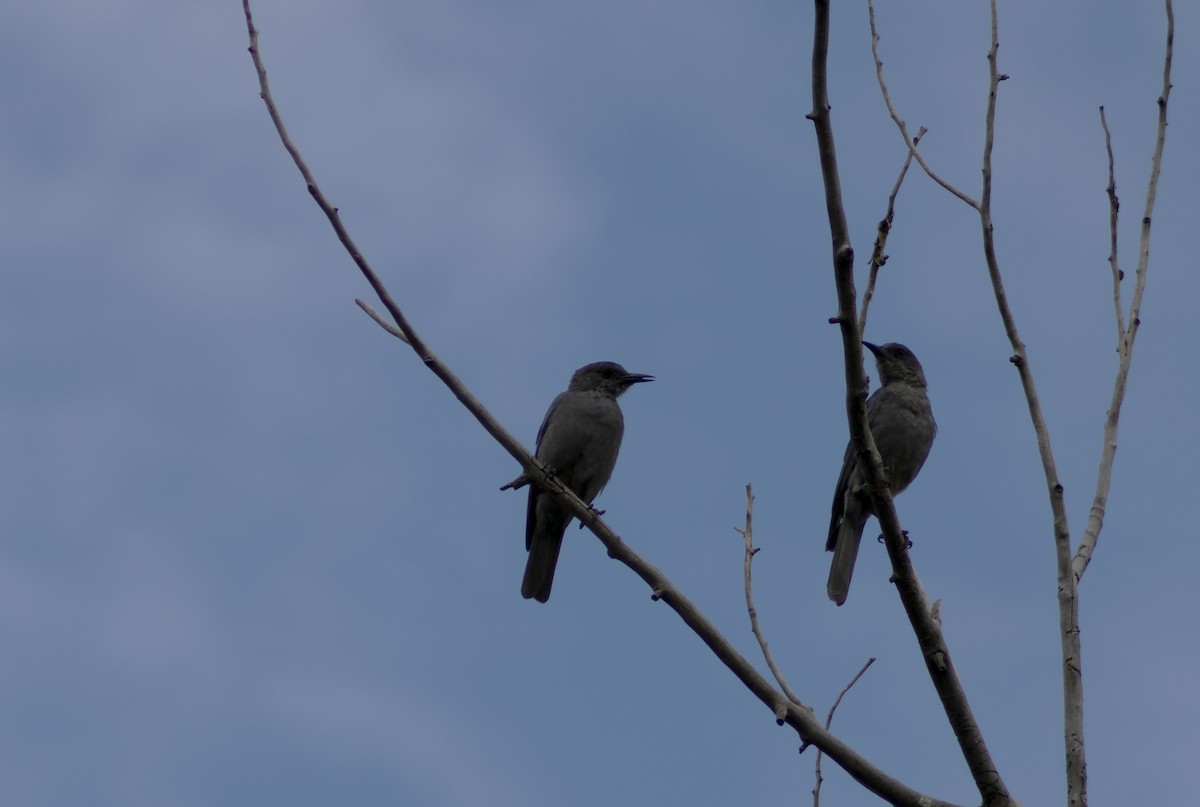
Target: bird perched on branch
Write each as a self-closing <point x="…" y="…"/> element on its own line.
<point x="902" y="424"/>
<point x="578" y="444"/>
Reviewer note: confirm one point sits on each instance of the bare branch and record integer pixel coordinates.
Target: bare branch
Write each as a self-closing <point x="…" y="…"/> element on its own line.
<point x="748" y="535"/>
<point x="878" y="255"/>
<point x="1091" y="534"/>
<point x="829" y="722"/>
<point x="1114" y="209"/>
<point x="909" y="142"/>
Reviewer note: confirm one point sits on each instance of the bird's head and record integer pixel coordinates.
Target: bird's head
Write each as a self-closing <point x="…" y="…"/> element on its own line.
<point x="896" y="363"/>
<point x="606" y="376"/>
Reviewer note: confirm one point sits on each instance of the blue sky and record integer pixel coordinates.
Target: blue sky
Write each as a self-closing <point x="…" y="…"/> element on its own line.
<point x="252" y="552"/>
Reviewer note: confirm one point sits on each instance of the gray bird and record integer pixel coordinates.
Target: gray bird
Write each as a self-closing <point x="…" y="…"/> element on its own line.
<point x="901" y="421"/>
<point x="578" y="443"/>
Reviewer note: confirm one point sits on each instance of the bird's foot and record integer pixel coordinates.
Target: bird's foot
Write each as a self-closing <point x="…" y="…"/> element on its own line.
<point x="595" y="512"/>
<point x="907" y="543"/>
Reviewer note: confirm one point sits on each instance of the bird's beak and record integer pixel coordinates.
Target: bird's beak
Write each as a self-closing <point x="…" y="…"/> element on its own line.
<point x="637" y="378"/>
<point x="871" y="347"/>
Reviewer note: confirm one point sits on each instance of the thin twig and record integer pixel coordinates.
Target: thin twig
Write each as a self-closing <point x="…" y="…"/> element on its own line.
<point x="878" y="254"/>
<point x="829" y="722"/>
<point x="383" y="323"/>
<point x="1091" y="533"/>
<point x="748" y="535"/>
<point x="909" y="142"/>
<point x="837" y="701"/>
<point x="797" y="717"/>
<point x="1114" y="209"/>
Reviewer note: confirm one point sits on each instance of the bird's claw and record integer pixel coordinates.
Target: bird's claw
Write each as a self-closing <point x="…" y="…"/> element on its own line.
<point x="907" y="543"/>
<point x="595" y="512"/>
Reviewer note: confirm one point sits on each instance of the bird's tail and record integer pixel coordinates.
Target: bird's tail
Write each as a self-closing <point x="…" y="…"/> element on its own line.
<point x="845" y="553"/>
<point x="544" y="546"/>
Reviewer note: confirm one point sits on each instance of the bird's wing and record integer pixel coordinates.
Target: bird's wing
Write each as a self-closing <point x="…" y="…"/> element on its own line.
<point x="534" y="490"/>
<point x="849" y="463"/>
<point x="558" y="399"/>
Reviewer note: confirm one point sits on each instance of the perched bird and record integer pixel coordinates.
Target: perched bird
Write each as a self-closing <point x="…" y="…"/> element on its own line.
<point x="901" y="421"/>
<point x="578" y="444"/>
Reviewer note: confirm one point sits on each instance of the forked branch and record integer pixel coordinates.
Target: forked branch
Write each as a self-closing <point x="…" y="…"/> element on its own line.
<point x="1126" y="333"/>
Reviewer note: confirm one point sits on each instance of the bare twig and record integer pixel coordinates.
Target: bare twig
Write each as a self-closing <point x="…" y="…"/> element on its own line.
<point x="748" y="535"/>
<point x="829" y="722"/>
<point x="878" y="255"/>
<point x="1091" y="533"/>
<point x="799" y="718"/>
<point x="1114" y="209"/>
<point x="383" y="323"/>
<point x="909" y="142"/>
<point x="837" y="701"/>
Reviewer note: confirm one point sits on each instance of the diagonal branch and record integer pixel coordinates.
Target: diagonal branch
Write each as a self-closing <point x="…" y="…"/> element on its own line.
<point x="799" y="718"/>
<point x="878" y="254"/>
<point x="489" y="423"/>
<point x="910" y="143"/>
<point x="912" y="596"/>
<point x="816" y="791"/>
